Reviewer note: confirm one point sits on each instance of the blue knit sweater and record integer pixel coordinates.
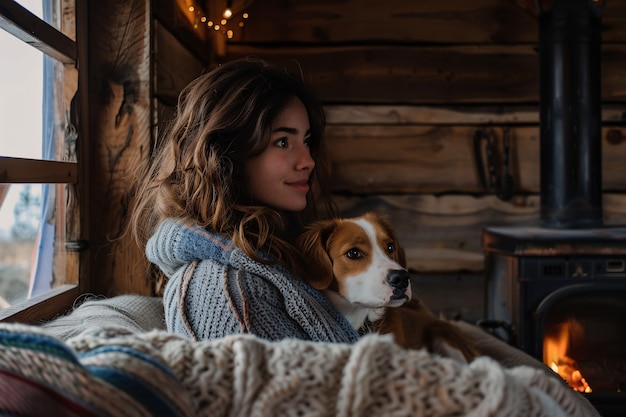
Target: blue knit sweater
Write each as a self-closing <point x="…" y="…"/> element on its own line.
<point x="215" y="289"/>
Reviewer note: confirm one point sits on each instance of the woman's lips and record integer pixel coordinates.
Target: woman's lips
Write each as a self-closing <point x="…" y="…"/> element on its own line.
<point x="300" y="185"/>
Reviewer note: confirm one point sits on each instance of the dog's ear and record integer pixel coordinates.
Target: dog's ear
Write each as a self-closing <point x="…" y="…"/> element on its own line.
<point x="312" y="244"/>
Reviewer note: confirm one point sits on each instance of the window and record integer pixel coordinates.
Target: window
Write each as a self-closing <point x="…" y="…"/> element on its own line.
<point x="39" y="166"/>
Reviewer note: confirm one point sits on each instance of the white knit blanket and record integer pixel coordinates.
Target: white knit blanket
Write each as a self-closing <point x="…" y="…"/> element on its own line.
<point x="247" y="376"/>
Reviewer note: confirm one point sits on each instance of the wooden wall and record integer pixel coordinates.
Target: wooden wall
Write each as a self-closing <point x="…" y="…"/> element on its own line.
<point x="407" y="85"/>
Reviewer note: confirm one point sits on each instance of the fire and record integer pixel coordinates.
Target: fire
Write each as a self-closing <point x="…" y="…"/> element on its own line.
<point x="555" y="354"/>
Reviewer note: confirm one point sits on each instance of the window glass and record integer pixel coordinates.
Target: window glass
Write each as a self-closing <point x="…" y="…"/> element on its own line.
<point x="20" y="216"/>
<point x="35" y="123"/>
<point x="33" y="6"/>
<point x="33" y="257"/>
<point x="21" y="80"/>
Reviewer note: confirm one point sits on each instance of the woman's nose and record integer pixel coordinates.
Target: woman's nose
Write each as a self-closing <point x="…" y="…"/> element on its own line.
<point x="305" y="160"/>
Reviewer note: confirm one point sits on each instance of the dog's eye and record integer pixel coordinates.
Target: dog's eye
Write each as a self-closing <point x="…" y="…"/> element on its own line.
<point x="354" y="253"/>
<point x="390" y="248"/>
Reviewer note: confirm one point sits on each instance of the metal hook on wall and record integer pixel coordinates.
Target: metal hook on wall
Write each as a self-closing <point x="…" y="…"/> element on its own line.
<point x="494" y="171"/>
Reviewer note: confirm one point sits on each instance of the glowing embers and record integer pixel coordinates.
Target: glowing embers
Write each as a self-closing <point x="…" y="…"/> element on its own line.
<point x="585" y="344"/>
<point x="555" y="354"/>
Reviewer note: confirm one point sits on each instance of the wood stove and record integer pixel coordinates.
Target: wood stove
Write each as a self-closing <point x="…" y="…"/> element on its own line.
<point x="558" y="289"/>
<point x="560" y="296"/>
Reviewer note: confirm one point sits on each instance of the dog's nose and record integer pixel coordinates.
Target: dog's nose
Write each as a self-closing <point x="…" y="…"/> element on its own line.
<point x="398" y="278"/>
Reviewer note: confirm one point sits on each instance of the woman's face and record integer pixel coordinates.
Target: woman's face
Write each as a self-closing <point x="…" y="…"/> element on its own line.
<point x="279" y="176"/>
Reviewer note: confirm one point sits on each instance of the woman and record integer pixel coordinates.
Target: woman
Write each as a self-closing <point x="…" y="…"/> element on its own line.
<point x="228" y="190"/>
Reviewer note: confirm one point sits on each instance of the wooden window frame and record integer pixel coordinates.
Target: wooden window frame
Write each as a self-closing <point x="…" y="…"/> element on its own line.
<point x="21" y="23"/>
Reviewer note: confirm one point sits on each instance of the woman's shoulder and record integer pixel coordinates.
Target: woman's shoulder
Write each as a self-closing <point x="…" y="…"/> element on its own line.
<point x="177" y="242"/>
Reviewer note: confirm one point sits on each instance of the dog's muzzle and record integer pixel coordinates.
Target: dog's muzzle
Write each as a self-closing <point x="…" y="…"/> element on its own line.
<point x="398" y="279"/>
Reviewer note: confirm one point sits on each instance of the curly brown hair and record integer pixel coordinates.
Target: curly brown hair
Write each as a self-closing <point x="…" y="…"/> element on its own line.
<point x="223" y="118"/>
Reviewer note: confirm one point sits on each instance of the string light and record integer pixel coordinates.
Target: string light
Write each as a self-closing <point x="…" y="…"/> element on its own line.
<point x="199" y="16"/>
<point x="228" y="12"/>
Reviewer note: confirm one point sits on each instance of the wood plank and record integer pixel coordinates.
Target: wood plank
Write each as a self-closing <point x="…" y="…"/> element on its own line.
<point x="613" y="16"/>
<point x="37" y="171"/>
<point x="402" y="114"/>
<point x="78" y="197"/>
<point x="175" y="65"/>
<point x="66" y="256"/>
<point x="67" y="213"/>
<point x="369" y="159"/>
<point x="176" y="18"/>
<point x="42" y="308"/>
<point x="469" y="114"/>
<point x="4" y="188"/>
<point x="442" y="234"/>
<point x="24" y="25"/>
<point x="408" y="21"/>
<point x="405" y="21"/>
<point x="372" y="74"/>
<point x="119" y="99"/>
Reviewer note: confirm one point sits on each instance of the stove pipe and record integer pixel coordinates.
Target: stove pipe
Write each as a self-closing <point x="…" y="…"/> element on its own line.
<point x="570" y="113"/>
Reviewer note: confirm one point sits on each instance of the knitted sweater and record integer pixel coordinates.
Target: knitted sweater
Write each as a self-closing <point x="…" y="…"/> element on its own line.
<point x="215" y="289"/>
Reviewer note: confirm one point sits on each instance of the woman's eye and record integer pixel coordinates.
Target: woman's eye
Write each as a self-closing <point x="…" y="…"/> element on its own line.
<point x="354" y="253"/>
<point x="307" y="142"/>
<point x="281" y="143"/>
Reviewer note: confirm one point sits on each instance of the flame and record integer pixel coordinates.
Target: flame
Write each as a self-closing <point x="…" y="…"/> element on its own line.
<point x="555" y="350"/>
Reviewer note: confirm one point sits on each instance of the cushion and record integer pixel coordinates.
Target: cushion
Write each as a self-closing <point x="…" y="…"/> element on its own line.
<point x="124" y="313"/>
<point x="41" y="375"/>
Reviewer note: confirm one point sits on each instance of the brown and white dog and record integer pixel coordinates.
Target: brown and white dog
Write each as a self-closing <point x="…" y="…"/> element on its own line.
<point x="360" y="266"/>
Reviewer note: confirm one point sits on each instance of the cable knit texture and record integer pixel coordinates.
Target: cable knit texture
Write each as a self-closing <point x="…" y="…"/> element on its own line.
<point x="215" y="289"/>
<point x="156" y="373"/>
<point x="113" y="373"/>
<point x="248" y="376"/>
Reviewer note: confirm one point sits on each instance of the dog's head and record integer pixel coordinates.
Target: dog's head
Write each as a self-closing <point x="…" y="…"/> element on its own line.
<point x="359" y="258"/>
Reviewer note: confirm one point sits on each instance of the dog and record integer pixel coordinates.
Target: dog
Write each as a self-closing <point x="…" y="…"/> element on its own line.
<point x="360" y="267"/>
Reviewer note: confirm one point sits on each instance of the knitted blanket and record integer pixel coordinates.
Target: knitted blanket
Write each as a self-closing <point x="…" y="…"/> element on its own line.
<point x="118" y="373"/>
